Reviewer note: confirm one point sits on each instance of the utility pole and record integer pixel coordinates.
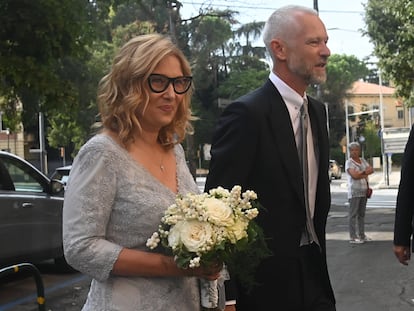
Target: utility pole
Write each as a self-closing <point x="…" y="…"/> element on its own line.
<point x="315" y="6"/>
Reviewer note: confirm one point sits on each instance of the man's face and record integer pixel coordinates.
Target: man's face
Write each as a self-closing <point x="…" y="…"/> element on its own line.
<point x="308" y="51"/>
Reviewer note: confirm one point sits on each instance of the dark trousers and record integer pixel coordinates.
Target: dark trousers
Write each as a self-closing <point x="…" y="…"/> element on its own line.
<point x="301" y="284"/>
<point x="312" y="288"/>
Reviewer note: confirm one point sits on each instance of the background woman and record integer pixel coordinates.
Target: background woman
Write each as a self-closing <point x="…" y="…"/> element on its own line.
<point x="358" y="170"/>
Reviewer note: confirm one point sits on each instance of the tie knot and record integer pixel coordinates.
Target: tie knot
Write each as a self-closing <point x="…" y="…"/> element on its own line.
<point x="304" y="108"/>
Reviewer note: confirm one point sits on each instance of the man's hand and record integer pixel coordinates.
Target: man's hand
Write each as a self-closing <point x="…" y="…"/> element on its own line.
<point x="403" y="253"/>
<point x="230" y="308"/>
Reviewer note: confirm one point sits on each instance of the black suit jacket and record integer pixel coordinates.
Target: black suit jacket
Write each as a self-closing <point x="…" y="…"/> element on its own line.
<point x="254" y="146"/>
<point x="404" y="213"/>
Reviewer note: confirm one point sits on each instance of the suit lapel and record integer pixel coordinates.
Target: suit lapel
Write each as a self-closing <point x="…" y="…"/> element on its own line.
<point x="320" y="134"/>
<point x="283" y="134"/>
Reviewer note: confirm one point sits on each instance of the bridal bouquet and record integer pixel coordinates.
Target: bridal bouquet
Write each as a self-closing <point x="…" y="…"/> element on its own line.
<point x="203" y="229"/>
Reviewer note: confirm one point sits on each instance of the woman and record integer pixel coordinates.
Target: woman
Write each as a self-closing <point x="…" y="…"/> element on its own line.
<point x="124" y="178"/>
<point x="358" y="171"/>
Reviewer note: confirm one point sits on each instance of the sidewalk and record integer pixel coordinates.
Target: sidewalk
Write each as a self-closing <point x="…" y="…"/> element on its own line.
<point x="368" y="277"/>
<point x="378" y="181"/>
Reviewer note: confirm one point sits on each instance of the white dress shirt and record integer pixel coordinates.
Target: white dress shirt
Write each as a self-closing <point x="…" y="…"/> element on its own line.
<point x="293" y="102"/>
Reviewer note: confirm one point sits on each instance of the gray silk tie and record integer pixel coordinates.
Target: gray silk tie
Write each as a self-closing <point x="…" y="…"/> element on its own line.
<point x="310" y="235"/>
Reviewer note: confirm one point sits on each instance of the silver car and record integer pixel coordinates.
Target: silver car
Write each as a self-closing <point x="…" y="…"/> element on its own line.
<point x="335" y="170"/>
<point x="62" y="174"/>
<point x="30" y="213"/>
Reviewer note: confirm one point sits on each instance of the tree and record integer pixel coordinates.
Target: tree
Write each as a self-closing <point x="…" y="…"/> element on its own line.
<point x="247" y="31"/>
<point x="390" y="27"/>
<point x="342" y="71"/>
<point x="43" y="51"/>
<point x="372" y="144"/>
<point x="208" y="34"/>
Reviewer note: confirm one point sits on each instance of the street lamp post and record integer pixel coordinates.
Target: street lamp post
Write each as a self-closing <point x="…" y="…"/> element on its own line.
<point x="362" y="141"/>
<point x="384" y="157"/>
<point x="8" y="139"/>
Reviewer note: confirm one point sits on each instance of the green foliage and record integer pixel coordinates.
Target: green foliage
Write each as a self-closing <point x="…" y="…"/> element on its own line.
<point x="53" y="54"/>
<point x="10" y="113"/>
<point x="372" y="144"/>
<point x="336" y="153"/>
<point x="342" y="71"/>
<point x="243" y="81"/>
<point x="390" y="26"/>
<point x="245" y="260"/>
<point x="122" y="34"/>
<point x="43" y="58"/>
<point x="35" y="36"/>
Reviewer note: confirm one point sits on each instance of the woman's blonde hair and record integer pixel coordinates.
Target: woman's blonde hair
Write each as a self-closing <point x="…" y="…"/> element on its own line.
<point x="122" y="90"/>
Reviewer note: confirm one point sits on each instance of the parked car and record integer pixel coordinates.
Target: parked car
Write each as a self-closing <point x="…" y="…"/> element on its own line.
<point x="61" y="173"/>
<point x="30" y="213"/>
<point x="335" y="170"/>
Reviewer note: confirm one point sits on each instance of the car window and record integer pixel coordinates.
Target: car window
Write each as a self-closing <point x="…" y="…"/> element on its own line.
<point x="6" y="183"/>
<point x="22" y="178"/>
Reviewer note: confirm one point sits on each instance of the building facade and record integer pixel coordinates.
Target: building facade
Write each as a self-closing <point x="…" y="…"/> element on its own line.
<point x="364" y="96"/>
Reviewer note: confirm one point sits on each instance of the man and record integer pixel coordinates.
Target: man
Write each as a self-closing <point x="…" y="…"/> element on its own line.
<point x="403" y="228"/>
<point x="258" y="145"/>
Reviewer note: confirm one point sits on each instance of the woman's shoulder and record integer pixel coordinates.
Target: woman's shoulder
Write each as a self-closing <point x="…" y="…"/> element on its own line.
<point x="101" y="147"/>
<point x="100" y="142"/>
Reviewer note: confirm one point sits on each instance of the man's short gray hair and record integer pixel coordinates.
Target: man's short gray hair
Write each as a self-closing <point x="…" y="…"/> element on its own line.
<point x="280" y="23"/>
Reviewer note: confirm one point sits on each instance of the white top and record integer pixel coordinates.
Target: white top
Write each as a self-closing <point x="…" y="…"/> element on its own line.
<point x="356" y="187"/>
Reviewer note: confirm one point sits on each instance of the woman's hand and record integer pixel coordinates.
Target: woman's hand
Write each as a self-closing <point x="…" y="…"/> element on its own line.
<point x="210" y="273"/>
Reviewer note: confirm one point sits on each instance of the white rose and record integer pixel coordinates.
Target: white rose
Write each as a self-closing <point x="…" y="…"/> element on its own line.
<point x="174" y="238"/>
<point x="193" y="234"/>
<point x="218" y="212"/>
<point x="239" y="230"/>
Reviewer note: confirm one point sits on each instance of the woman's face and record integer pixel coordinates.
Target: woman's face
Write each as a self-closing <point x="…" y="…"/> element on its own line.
<point x="354" y="152"/>
<point x="163" y="105"/>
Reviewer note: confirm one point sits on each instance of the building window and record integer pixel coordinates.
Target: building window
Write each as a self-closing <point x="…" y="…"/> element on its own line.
<point x="400" y="114"/>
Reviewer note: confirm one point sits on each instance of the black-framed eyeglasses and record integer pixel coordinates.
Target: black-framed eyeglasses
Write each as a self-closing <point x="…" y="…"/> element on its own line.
<point x="159" y="83"/>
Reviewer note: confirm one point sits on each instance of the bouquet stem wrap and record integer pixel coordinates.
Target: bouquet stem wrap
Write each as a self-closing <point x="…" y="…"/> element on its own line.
<point x="212" y="293"/>
<point x="209" y="293"/>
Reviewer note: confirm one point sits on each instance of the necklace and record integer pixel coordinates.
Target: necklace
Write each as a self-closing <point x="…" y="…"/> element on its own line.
<point x="153" y="153"/>
<point x="161" y="165"/>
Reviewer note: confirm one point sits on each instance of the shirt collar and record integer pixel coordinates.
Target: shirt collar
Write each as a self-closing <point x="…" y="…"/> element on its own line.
<point x="289" y="95"/>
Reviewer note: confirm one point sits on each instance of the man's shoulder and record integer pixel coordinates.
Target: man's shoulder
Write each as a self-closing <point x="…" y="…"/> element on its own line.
<point x="263" y="94"/>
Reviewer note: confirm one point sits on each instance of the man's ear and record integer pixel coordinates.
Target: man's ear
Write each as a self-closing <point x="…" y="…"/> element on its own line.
<point x="278" y="48"/>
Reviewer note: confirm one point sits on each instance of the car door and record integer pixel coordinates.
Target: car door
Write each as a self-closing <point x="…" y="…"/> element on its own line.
<point x="30" y="217"/>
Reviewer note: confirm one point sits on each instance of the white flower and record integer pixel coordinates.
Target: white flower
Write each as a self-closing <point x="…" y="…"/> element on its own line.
<point x="203" y="228"/>
<point x="239" y="230"/>
<point x="193" y="234"/>
<point x="218" y="212"/>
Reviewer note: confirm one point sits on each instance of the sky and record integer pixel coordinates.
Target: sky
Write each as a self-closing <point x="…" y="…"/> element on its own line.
<point x="343" y="19"/>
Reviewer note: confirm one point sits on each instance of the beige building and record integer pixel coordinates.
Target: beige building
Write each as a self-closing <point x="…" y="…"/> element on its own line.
<point x="364" y="96"/>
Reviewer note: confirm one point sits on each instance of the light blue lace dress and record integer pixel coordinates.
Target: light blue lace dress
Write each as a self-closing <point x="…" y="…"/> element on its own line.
<point x="112" y="202"/>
